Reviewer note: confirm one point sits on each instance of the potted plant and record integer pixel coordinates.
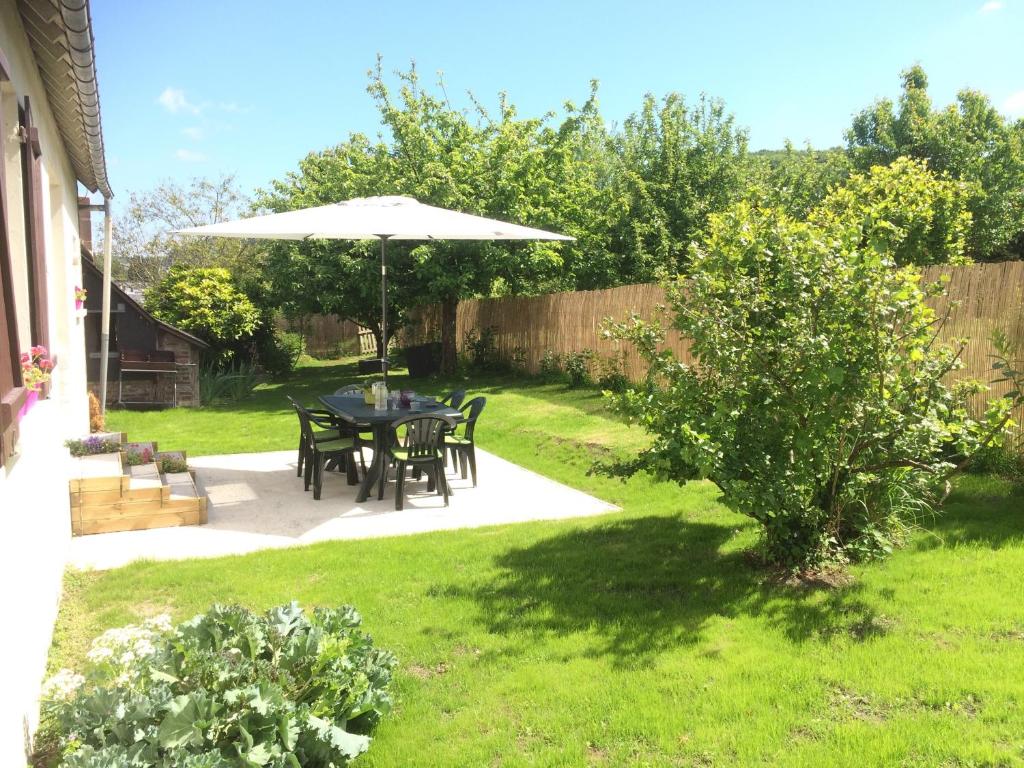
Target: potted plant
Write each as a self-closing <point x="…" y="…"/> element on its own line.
<point x="80" y="296"/>
<point x="36" y="368"/>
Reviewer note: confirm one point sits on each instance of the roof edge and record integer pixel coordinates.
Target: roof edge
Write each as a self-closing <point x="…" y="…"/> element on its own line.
<point x="82" y="47"/>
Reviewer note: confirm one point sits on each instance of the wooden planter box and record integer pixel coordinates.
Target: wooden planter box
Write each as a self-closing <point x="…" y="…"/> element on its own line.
<point x="104" y="498"/>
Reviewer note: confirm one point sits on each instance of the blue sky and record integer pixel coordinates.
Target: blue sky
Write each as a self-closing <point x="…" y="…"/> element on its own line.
<point x="204" y="87"/>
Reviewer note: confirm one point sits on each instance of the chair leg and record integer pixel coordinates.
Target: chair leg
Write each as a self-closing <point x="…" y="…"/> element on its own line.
<point x="307" y="476"/>
<point x="318" y="477"/>
<point x="384" y="467"/>
<point x="431" y="480"/>
<point x="442" y="481"/>
<point x="463" y="461"/>
<point x="455" y="457"/>
<point x="400" y="487"/>
<point x="471" y="455"/>
<point x="351" y="474"/>
<point x="302" y="454"/>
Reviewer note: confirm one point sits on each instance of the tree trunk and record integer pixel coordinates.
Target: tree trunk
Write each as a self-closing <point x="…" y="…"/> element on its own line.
<point x="449" y="353"/>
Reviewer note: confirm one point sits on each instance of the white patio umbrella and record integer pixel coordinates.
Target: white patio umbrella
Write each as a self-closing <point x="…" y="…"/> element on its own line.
<point x="374" y="218"/>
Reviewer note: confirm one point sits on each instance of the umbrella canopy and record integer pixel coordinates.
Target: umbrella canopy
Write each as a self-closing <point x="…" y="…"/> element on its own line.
<point x="369" y="218"/>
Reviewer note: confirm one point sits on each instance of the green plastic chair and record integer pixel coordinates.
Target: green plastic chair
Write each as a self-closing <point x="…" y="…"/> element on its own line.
<point x="320" y="449"/>
<point x="454" y="398"/>
<point x="417" y="441"/>
<point x="324" y="427"/>
<point x="462" y="447"/>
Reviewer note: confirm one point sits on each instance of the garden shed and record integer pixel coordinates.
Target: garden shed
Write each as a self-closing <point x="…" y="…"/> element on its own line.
<point x="151" y="363"/>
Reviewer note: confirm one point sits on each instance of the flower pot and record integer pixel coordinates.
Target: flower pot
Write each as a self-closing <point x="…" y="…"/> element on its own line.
<point x="30" y="399"/>
<point x="79" y="303"/>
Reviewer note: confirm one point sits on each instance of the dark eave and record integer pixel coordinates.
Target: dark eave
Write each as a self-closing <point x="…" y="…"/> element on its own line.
<point x="60" y="33"/>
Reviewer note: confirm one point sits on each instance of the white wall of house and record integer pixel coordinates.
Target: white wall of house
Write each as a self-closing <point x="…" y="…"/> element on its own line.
<point x="34" y="516"/>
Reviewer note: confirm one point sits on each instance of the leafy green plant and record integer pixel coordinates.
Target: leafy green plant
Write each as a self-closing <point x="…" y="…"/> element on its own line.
<point x="135" y="457"/>
<point x="227" y="384"/>
<point x="817" y="402"/>
<point x="517" y="361"/>
<point x="206" y="301"/>
<point x="91" y="446"/>
<point x="278" y="351"/>
<point x="228" y="688"/>
<point x="611" y="372"/>
<point x="550" y="365"/>
<point x="482" y="349"/>
<point x="171" y="464"/>
<point x="577" y="367"/>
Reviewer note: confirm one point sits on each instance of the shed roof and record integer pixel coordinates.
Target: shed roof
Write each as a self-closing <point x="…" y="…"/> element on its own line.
<point x="60" y="33"/>
<point x="89" y="263"/>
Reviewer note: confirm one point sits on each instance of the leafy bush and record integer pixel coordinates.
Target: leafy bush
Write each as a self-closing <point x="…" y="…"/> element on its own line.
<point x="134" y="457"/>
<point x="550" y="365"/>
<point x="517" y="361"/>
<point x="1005" y="460"/>
<point x="171" y="464"/>
<point x="228" y="688"/>
<point x="227" y="384"/>
<point x="481" y="348"/>
<point x="817" y="400"/>
<point x="279" y="351"/>
<point x="577" y="367"/>
<point x="91" y="446"/>
<point x="206" y="302"/>
<point x="611" y="372"/>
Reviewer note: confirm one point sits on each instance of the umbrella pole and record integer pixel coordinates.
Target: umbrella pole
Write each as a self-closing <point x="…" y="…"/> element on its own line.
<point x="384" y="307"/>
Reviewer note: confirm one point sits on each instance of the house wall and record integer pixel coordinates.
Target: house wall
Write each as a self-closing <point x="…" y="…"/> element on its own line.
<point x="60" y="225"/>
<point x="33" y="493"/>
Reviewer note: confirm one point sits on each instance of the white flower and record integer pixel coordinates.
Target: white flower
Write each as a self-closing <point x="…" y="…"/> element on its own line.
<point x="161" y="623"/>
<point x="144" y="647"/>
<point x="99" y="653"/>
<point x="62" y="685"/>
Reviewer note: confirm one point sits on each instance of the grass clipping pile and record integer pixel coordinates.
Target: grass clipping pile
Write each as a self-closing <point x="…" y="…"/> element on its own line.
<point x="283" y="689"/>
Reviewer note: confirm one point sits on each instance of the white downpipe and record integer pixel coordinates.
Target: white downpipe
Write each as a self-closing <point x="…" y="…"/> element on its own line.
<point x="108" y="230"/>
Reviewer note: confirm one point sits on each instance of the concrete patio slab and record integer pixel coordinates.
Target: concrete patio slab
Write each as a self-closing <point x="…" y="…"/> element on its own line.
<point x="257" y="502"/>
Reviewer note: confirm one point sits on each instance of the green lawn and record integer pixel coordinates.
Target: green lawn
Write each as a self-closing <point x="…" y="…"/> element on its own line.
<point x="639" y="638"/>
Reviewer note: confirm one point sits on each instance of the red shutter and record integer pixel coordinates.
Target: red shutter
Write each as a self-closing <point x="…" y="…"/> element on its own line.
<point x="12" y="394"/>
<point x="35" y="239"/>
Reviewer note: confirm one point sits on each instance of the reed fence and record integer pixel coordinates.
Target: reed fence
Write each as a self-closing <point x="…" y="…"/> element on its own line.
<point x="985" y="297"/>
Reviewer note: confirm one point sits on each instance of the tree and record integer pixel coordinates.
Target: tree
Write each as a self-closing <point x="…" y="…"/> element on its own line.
<point x="816" y="401"/>
<point x="144" y="245"/>
<point x="677" y="164"/>
<point x="796" y="180"/>
<point x="970" y="141"/>
<point x="493" y="165"/>
<point x="206" y="302"/>
<point x="911" y="214"/>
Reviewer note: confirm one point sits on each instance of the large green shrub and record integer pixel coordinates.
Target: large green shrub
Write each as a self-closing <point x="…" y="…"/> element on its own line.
<point x="817" y="400"/>
<point x="229" y="688"/>
<point x="206" y="302"/>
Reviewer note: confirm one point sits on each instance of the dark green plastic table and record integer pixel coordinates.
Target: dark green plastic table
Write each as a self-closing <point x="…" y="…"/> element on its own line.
<point x="353" y="409"/>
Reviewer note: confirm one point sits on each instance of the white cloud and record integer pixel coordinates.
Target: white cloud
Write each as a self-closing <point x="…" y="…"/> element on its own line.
<point x="173" y="100"/>
<point x="194" y="132"/>
<point x="992" y="6"/>
<point x="189" y="156"/>
<point x="1014" y="104"/>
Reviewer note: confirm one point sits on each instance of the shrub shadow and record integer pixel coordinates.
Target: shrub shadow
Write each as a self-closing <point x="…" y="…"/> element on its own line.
<point x="648" y="584"/>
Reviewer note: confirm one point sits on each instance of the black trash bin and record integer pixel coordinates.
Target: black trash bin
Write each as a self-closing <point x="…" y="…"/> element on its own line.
<point x="423" y="360"/>
<point x="372" y="365"/>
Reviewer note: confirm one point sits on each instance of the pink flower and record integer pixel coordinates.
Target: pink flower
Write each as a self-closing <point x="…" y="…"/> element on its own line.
<point x="25" y="358"/>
